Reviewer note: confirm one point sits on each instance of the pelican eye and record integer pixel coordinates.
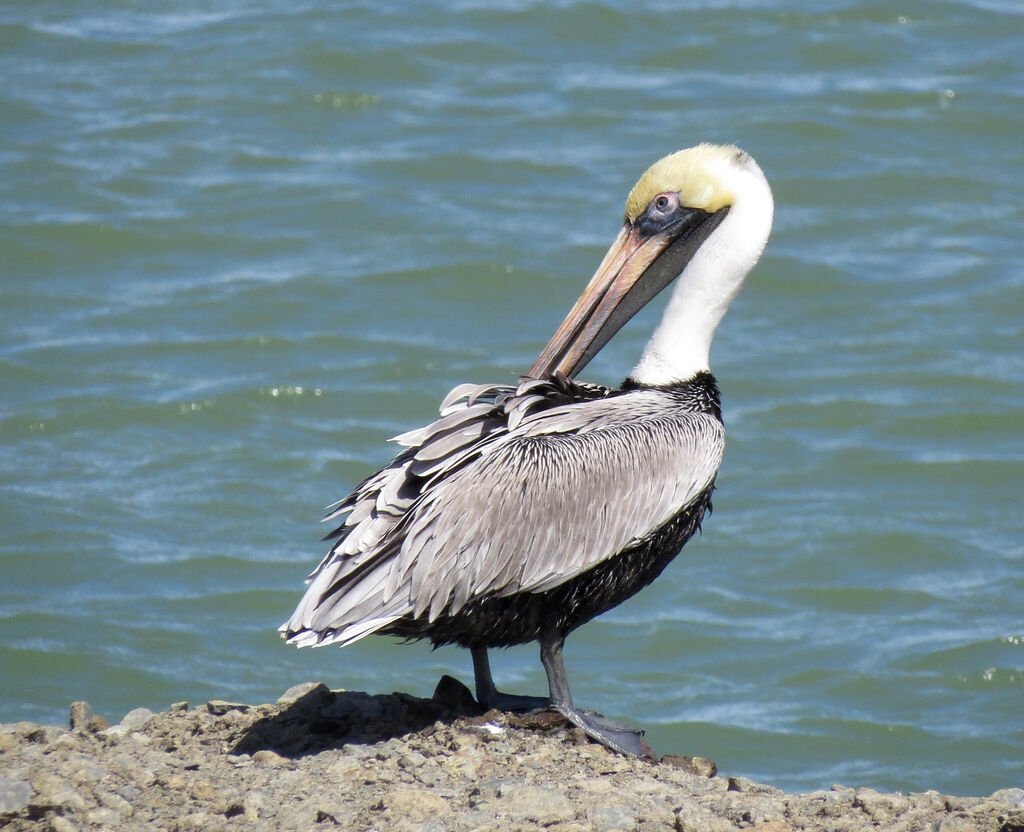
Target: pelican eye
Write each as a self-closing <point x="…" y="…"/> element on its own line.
<point x="661" y="212"/>
<point x="664" y="203"/>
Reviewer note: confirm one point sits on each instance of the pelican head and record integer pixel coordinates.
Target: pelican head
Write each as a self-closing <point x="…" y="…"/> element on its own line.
<point x="702" y="214"/>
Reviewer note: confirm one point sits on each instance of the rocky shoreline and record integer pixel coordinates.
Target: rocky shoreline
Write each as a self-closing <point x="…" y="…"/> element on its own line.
<point x="324" y="760"/>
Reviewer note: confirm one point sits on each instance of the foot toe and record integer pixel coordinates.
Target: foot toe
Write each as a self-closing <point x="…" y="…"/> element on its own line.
<point x="611" y="734"/>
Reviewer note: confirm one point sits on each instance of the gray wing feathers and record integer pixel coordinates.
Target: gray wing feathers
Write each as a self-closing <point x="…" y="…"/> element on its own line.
<point x="496" y="498"/>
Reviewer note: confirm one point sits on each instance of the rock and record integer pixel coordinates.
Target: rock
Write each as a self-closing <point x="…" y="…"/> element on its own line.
<point x="199" y="821"/>
<point x="253" y="804"/>
<point x="297" y="692"/>
<point x="136" y="719"/>
<point x="697" y="766"/>
<point x="828" y="804"/>
<point x="112" y="801"/>
<point x="541" y="805"/>
<point x="1015" y="797"/>
<point x="219" y="707"/>
<point x="28" y="731"/>
<point x="745" y="784"/>
<point x="959" y="822"/>
<point x="694" y="818"/>
<point x="174" y="782"/>
<point x="268" y="759"/>
<point x="412" y="760"/>
<point x="326" y="760"/>
<point x="235" y="716"/>
<point x="415" y="805"/>
<point x="62" y="824"/>
<point x="84" y="718"/>
<point x="651" y="787"/>
<point x="540" y="721"/>
<point x="331" y="815"/>
<point x="357" y="706"/>
<point x="202" y="790"/>
<point x="14" y="795"/>
<point x="104" y="818"/>
<point x="612" y="819"/>
<point x="453" y="693"/>
<point x="763" y="810"/>
<point x="881" y="808"/>
<point x="54" y="791"/>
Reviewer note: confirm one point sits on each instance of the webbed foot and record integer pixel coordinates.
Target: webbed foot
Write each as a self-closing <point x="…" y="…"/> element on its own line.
<point x="614" y="735"/>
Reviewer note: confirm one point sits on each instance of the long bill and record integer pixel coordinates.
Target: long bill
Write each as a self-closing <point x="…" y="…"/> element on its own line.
<point x="635" y="269"/>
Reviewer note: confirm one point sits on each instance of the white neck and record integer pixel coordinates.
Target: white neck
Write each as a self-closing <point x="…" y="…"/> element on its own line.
<point x="680" y="345"/>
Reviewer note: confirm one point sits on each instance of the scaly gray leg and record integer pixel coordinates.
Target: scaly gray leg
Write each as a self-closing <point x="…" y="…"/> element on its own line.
<point x="614" y="735"/>
<point x="490" y="697"/>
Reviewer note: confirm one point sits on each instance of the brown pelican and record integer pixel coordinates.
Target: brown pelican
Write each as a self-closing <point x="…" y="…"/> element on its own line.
<point x="525" y="511"/>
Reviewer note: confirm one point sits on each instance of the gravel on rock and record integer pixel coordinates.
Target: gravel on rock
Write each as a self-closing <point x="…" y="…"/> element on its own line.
<point x="323" y="760"/>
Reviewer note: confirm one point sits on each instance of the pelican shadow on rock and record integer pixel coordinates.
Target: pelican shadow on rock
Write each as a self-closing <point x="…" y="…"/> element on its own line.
<point x="322" y="718"/>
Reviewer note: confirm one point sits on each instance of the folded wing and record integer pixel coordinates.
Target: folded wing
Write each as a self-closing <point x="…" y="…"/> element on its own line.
<point x="511" y="490"/>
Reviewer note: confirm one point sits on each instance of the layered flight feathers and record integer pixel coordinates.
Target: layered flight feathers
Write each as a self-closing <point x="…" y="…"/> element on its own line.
<point x="513" y="489"/>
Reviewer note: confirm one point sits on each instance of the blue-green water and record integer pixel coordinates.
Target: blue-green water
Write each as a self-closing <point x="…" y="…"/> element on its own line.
<point x="241" y="247"/>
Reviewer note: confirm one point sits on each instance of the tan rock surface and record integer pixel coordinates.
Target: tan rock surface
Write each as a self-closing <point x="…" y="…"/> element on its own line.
<point x="323" y="760"/>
